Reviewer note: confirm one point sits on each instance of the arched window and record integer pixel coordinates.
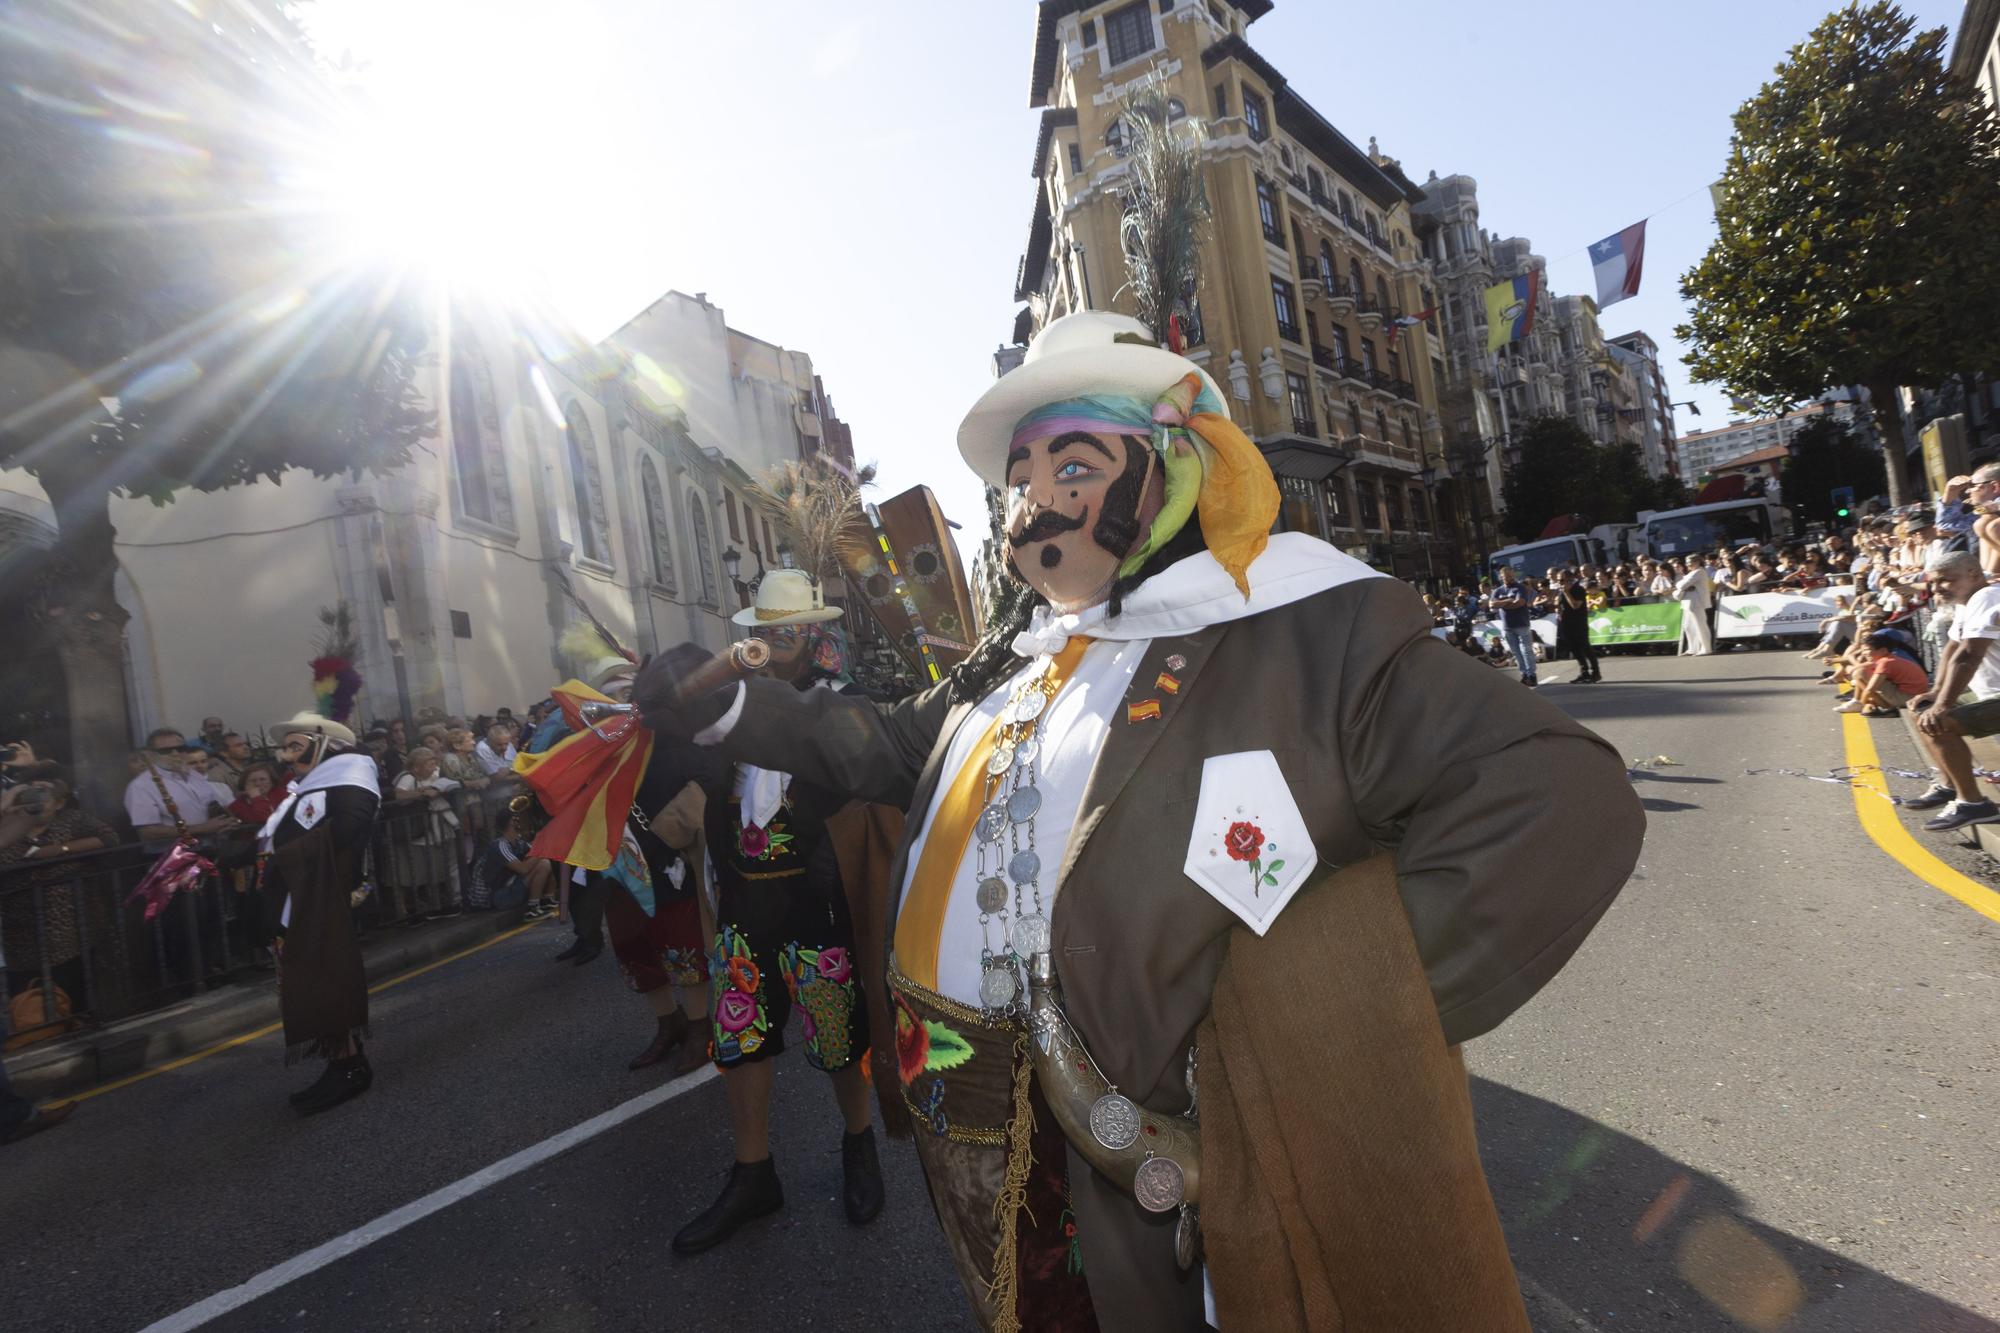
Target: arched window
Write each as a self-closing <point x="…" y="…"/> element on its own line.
<point x="468" y="455"/>
<point x="1326" y="264"/>
<point x="659" y="536"/>
<point x="593" y="534"/>
<point x="1382" y="295"/>
<point x="1354" y="278"/>
<point x="698" y="538"/>
<point x="478" y="484"/>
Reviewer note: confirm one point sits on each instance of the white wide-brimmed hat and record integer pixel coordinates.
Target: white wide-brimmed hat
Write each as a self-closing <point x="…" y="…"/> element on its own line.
<point x="312" y="724"/>
<point x="787" y="597"/>
<point x="1091" y="351"/>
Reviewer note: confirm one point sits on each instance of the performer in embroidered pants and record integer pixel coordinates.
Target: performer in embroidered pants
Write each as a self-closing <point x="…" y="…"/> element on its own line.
<point x="313" y="847"/>
<point x="1214" y="857"/>
<point x="784" y="938"/>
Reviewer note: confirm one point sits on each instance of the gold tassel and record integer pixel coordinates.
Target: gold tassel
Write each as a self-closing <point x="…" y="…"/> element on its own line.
<point x="1003" y="1288"/>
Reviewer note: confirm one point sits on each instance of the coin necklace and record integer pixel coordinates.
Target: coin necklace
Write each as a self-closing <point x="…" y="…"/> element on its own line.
<point x="1006" y="844"/>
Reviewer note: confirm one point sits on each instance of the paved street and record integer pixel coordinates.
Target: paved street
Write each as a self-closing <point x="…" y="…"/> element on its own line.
<point x="1759" y="1098"/>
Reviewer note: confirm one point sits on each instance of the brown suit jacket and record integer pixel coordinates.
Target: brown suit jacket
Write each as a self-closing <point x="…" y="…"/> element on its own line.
<point x="1512" y="827"/>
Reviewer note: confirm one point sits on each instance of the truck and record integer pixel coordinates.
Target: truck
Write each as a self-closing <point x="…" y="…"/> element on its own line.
<point x="1701" y="528"/>
<point x="1604" y="545"/>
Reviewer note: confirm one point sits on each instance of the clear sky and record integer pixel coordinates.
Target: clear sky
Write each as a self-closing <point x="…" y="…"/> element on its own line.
<point x="853" y="180"/>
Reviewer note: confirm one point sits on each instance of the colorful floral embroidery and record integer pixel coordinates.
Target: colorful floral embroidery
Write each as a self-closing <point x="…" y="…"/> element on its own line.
<point x="945" y="1049"/>
<point x="740" y="1020"/>
<point x="685" y="967"/>
<point x="913" y="1043"/>
<point x="761" y="844"/>
<point x="1245" y="842"/>
<point x="827" y="1000"/>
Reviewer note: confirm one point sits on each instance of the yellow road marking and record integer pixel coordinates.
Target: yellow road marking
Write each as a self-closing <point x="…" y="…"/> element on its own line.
<point x="1878" y="818"/>
<point x="182" y="1062"/>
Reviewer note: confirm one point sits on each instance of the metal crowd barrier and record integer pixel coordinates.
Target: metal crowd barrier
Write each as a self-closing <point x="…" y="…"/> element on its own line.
<point x="65" y="920"/>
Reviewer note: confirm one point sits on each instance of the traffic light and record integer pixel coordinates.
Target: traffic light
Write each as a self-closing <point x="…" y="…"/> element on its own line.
<point x="1843" y="501"/>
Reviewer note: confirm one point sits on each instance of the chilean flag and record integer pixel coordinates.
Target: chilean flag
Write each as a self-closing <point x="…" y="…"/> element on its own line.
<point x="1616" y="260"/>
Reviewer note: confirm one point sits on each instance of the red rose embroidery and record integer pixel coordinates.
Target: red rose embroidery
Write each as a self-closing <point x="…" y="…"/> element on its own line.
<point x="1243" y="841"/>
<point x="754" y="841"/>
<point x="913" y="1043"/>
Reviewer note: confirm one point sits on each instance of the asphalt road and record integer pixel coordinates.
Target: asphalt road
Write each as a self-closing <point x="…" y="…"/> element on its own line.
<point x="1758" y="1098"/>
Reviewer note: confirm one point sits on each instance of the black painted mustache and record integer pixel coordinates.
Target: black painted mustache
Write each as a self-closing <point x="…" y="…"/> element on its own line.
<point x="1043" y="526"/>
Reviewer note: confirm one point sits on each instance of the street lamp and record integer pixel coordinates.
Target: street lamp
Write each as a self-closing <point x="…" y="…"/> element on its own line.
<point x="1692" y="409"/>
<point x="732" y="562"/>
<point x="1468" y="467"/>
<point x="1427" y="477"/>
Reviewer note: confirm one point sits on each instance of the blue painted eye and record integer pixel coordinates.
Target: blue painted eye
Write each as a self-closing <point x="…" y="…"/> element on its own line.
<point x="1073" y="469"/>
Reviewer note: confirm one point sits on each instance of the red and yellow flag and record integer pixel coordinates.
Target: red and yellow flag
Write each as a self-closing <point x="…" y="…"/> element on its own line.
<point x="586" y="782"/>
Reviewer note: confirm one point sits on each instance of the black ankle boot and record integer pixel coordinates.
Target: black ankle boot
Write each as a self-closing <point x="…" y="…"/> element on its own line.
<point x="861" y="1176"/>
<point x="327" y="1077"/>
<point x="673" y="1030"/>
<point x="348" y="1077"/>
<point x="752" y="1192"/>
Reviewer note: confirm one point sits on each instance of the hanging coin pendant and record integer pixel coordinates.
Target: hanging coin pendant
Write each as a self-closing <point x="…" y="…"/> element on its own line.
<point x="1023" y="804"/>
<point x="1000" y="760"/>
<point x="1114" y="1121"/>
<point x="1185" y="1232"/>
<point x="992" y="894"/>
<point x="1031" y="934"/>
<point x="1024" y="867"/>
<point x="1159" y="1185"/>
<point x="992" y="823"/>
<point x="1029" y="706"/>
<point x="997" y="987"/>
<point x="1025" y="752"/>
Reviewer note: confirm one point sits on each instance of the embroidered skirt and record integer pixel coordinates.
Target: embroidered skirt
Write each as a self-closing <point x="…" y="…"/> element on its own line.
<point x="996" y="1164"/>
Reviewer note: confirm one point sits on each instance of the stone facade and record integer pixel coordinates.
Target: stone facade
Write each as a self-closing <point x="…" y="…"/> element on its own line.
<point x="621" y="468"/>
<point x="1311" y="259"/>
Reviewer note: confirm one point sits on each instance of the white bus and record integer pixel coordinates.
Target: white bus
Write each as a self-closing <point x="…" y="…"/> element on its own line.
<point x="1699" y="529"/>
<point x="1604" y="545"/>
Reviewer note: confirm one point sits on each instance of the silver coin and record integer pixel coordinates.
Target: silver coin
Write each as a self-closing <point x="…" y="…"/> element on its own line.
<point x="1031" y="934"/>
<point x="1114" y="1121"/>
<point x="997" y="987"/>
<point x="1185" y="1232"/>
<point x="992" y="823"/>
<point x="1023" y="805"/>
<point x="1159" y="1185"/>
<point x="1025" y="752"/>
<point x="1029" y="706"/>
<point x="1000" y="760"/>
<point x="1024" y="867"/>
<point x="992" y="894"/>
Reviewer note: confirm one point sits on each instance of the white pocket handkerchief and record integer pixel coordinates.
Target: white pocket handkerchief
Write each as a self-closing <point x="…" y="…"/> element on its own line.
<point x="311" y="806"/>
<point x="1250" y="849"/>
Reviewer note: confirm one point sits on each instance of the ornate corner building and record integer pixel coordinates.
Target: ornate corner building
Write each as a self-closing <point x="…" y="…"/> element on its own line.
<point x="1310" y="276"/>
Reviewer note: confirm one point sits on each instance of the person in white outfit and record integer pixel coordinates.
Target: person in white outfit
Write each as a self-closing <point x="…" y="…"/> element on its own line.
<point x="1695" y="593"/>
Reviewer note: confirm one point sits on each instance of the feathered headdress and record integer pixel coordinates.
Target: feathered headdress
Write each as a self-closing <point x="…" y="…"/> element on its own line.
<point x="592" y="654"/>
<point x="335" y="681"/>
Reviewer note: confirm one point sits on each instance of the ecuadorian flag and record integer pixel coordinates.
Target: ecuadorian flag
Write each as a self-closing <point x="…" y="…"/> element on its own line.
<point x="1510" y="310"/>
<point x="585" y="782"/>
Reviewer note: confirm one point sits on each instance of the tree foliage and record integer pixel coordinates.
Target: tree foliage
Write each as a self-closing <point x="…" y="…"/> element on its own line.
<point x="170" y="314"/>
<point x="1855" y="241"/>
<point x="1826" y="453"/>
<point x="1560" y="471"/>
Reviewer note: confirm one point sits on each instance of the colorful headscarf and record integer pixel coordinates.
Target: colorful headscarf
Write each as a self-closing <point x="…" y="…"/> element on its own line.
<point x="1212" y="468"/>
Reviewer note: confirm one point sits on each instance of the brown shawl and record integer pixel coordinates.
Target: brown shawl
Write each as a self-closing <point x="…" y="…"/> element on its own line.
<point x="865" y="838"/>
<point x="1340" y="1173"/>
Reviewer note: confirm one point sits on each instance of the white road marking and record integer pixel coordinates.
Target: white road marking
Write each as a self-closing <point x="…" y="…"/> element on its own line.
<point x="1553" y="1304"/>
<point x="271" y="1279"/>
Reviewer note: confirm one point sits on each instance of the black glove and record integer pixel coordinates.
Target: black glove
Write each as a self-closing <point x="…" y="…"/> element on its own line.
<point x="662" y="707"/>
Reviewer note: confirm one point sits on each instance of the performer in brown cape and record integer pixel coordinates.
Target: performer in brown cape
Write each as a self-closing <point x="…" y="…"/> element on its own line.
<point x="1214" y="857"/>
<point x="314" y="844"/>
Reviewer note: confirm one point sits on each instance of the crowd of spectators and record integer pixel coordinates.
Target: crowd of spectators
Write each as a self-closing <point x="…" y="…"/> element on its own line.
<point x="445" y="783"/>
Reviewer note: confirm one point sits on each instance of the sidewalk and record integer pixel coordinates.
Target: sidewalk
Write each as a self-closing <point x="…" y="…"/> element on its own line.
<point x="69" y="1065"/>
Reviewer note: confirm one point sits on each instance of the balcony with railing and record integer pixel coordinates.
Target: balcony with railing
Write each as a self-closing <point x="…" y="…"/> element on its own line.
<point x="1404" y="390"/>
<point x="1354" y="371"/>
<point x="1324" y="358"/>
<point x="1384" y="453"/>
<point x="1290" y="332"/>
<point x="1340" y="297"/>
<point x="1305" y="426"/>
<point x="1368" y="313"/>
